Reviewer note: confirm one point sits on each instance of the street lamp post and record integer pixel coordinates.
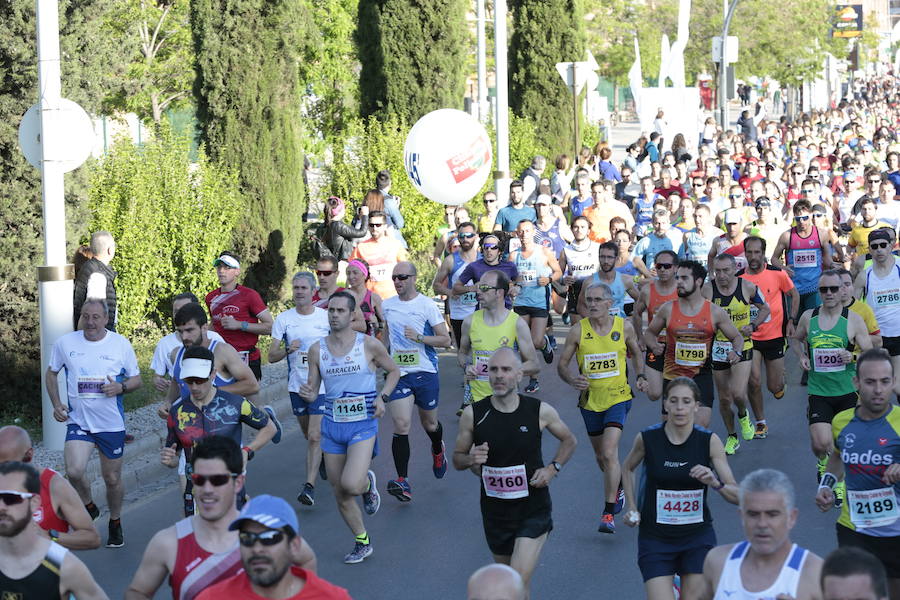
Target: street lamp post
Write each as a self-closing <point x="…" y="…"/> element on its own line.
<point x="723" y="67"/>
<point x="501" y="122"/>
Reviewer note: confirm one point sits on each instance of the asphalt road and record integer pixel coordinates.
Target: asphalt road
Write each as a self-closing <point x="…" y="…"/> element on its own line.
<point x="428" y="547"/>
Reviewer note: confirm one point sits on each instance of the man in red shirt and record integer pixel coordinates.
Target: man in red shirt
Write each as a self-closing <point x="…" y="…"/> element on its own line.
<point x="269" y="539"/>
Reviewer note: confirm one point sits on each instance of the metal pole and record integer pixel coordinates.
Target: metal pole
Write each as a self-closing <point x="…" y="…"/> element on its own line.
<point x="723" y="71"/>
<point x="574" y="104"/>
<point x="501" y="174"/>
<point x="55" y="284"/>
<point x="482" y="63"/>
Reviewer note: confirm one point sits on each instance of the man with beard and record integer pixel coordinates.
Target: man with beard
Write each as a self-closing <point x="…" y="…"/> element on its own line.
<point x="463" y="304"/>
<point x="269" y="537"/>
<point x="200" y="551"/>
<point x="652" y="295"/>
<point x="32" y="566"/>
<point x="577" y="261"/>
<point x="620" y="284"/>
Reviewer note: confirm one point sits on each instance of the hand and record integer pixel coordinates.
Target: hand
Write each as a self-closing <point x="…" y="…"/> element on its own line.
<point x="479" y="454"/>
<point x="542" y="477"/>
<point x="653" y="273"/>
<point x="160" y="383"/>
<point x="229" y="322"/>
<point x="804" y="363"/>
<point x="568" y="280"/>
<point x="163" y="410"/>
<point x="791" y="328"/>
<point x="246" y="456"/>
<point x="846" y="357"/>
<point x="112" y="387"/>
<point x="542" y="281"/>
<point x="373" y="322"/>
<point x="295" y="345"/>
<point x="704" y="475"/>
<point x="169" y="456"/>
<point x="789" y="270"/>
<point x="513" y="291"/>
<point x="471" y="373"/>
<point x="379" y="407"/>
<point x="642" y="384"/>
<point x="733" y="357"/>
<point x="308" y="393"/>
<point x="410" y="333"/>
<point x="891" y="474"/>
<point x="641" y="344"/>
<point x="632" y="518"/>
<point x="580" y="382"/>
<point x="825" y="499"/>
<point x="364" y="210"/>
<point x="61" y="413"/>
<point x="746" y="331"/>
<point x="656" y="348"/>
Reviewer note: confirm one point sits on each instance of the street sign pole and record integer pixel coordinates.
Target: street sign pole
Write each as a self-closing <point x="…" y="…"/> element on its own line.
<point x="572" y="68"/>
<point x="501" y="175"/>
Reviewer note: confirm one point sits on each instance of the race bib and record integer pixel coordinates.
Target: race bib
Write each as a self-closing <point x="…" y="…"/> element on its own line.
<point x="873" y="508"/>
<point x="481" y="364"/>
<point x="245" y="357"/>
<point x="740" y="262"/>
<point x="689" y="354"/>
<point x="381" y="272"/>
<point x="828" y="360"/>
<point x="887" y="297"/>
<point x="529" y="277"/>
<point x="505" y="483"/>
<point x="469" y="299"/>
<point x="720" y="350"/>
<point x="601" y="366"/>
<point x="348" y="410"/>
<point x="91" y="387"/>
<point x="304" y="359"/>
<point x="406" y="358"/>
<point x="804" y="259"/>
<point x="754" y="311"/>
<point x="679" y="507"/>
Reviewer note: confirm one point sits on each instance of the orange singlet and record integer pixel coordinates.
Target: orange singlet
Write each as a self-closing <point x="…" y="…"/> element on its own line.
<point x="688" y="342"/>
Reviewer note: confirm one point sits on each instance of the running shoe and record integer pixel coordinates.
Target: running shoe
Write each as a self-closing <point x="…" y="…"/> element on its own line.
<point x="607" y="524"/>
<point x="547" y="350"/>
<point x="323" y="474"/>
<point x="566" y="318"/>
<point x="553" y="342"/>
<point x="371" y="498"/>
<point x="746" y="427"/>
<point x="780" y="393"/>
<point x="533" y="386"/>
<point x="359" y="554"/>
<point x="92" y="510"/>
<point x="762" y="431"/>
<point x="839" y="490"/>
<point x="821" y="465"/>
<point x="129" y="438"/>
<point x="620" y="501"/>
<point x="440" y="462"/>
<point x="399" y="488"/>
<point x="731" y="445"/>
<point x="116" y="538"/>
<point x="271" y="412"/>
<point x="308" y="496"/>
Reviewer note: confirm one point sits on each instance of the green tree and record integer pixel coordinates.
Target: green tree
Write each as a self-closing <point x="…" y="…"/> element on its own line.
<point x="545" y="32"/>
<point x="247" y="91"/>
<point x="91" y="67"/>
<point x="412" y="55"/>
<point x="609" y="34"/>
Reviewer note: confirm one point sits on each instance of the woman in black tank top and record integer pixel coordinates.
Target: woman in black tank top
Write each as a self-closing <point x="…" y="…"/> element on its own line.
<point x="681" y="460"/>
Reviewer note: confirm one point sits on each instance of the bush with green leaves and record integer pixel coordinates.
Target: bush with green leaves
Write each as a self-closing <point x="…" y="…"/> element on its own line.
<point x="170" y="219"/>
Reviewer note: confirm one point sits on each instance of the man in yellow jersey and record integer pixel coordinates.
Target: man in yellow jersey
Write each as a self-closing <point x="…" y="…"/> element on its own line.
<point x="861" y="308"/>
<point x="491" y="327"/>
<point x="601" y="344"/>
<point x="736" y="295"/>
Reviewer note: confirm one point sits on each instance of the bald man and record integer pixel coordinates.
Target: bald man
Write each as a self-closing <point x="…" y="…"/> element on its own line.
<point x="61" y="516"/>
<point x="496" y="582"/>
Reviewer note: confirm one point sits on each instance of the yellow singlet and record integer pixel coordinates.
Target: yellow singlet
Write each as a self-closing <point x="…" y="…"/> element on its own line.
<point x="485" y="340"/>
<point x="602" y="360"/>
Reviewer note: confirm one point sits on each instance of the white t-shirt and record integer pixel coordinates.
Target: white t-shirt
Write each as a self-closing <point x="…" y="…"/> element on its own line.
<point x="422" y="315"/>
<point x="162" y="356"/>
<point x="309" y="329"/>
<point x="87" y="366"/>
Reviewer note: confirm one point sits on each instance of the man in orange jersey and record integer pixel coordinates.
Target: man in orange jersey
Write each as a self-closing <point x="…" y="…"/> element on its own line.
<point x="381" y="252"/>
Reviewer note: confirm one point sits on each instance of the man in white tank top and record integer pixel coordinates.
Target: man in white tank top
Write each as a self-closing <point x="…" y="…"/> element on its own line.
<point x="767" y="564"/>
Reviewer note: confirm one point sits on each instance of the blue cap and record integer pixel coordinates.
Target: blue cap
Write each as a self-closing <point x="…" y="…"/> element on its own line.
<point x="269" y="511"/>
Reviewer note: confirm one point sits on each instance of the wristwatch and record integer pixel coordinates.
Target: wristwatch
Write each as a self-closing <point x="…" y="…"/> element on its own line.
<point x="250" y="453"/>
<point x="54" y="534"/>
<point x="124" y="386"/>
<point x="385" y="398"/>
<point x="556" y="466"/>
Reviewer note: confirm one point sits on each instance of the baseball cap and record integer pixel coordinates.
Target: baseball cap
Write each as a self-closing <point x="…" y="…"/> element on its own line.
<point x="269" y="511"/>
<point x="227" y="260"/>
<point x="762" y="201"/>
<point x="543" y="199"/>
<point x="196" y="362"/>
<point x="732" y="216"/>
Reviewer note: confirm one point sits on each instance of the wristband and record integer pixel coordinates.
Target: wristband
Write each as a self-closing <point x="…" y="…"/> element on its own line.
<point x="244" y="325"/>
<point x="828" y="481"/>
<point x="718" y="487"/>
<point x="53" y="534"/>
<point x="250" y="453"/>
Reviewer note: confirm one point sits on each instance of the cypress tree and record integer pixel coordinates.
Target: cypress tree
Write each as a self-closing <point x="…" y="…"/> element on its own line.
<point x="248" y="106"/>
<point x="413" y="57"/>
<point x="545" y="32"/>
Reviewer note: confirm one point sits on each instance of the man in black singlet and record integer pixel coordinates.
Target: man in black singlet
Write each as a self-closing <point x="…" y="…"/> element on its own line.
<point x="32" y="567"/>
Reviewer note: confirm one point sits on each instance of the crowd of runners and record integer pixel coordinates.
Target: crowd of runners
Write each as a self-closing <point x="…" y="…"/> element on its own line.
<point x="686" y="277"/>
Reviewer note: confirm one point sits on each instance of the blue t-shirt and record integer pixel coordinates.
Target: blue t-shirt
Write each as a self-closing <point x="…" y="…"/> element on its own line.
<point x="649" y="245"/>
<point x="508" y="218"/>
<point x="577" y="206"/>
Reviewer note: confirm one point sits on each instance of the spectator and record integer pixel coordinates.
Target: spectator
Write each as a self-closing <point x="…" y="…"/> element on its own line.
<point x="338" y="235"/>
<point x="95" y="278"/>
<point x="391" y="205"/>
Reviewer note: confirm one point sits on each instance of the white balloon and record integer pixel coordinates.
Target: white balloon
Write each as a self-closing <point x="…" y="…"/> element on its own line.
<point x="447" y="156"/>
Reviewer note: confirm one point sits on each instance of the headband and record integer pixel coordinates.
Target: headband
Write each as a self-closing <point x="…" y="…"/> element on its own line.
<point x="360" y="266"/>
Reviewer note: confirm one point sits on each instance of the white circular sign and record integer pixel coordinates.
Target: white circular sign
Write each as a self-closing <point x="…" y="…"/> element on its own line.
<point x="73" y="126"/>
<point x="447" y="156"/>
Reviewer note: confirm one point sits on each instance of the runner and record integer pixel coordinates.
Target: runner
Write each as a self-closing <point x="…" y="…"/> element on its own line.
<point x="859" y="307"/>
<point x="61" y="515"/>
<point x="770" y="337"/>
<point x="415" y="329"/>
<point x="293" y="333"/>
<point x="826" y="336"/>
<point x="681" y="461"/>
<point x="808" y="253"/>
<point x="766" y="225"/>
<point x="461" y="305"/>
<point x="698" y="241"/>
<point x="208" y="410"/>
<point x="491" y="327"/>
<point x="601" y="342"/>
<point x="509" y="216"/>
<point x="101" y="368"/>
<point x="738" y="297"/>
<point x="731" y="242"/>
<point x="767" y="564"/>
<point x="268" y="570"/>
<point x="500" y="441"/>
<point x="381" y="253"/>
<point x="491" y="260"/>
<point x="199" y="551"/>
<point x="31" y="565"/>
<point x="578" y="261"/>
<point x="538" y="268"/>
<point x="660" y="238"/>
<point x="879" y="286"/>
<point x="622" y="286"/>
<point x="345" y="362"/>
<point x="368" y="317"/>
<point x="654" y="294"/>
<point x="867" y="437"/>
<point x="691" y="322"/>
<point x="852" y="573"/>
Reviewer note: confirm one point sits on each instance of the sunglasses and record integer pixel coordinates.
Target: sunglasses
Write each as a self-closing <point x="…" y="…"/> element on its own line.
<point x="735" y="195"/>
<point x="490" y="246"/>
<point x="467" y="236"/>
<point x="12" y="498"/>
<point x="376" y="225"/>
<point x="877" y="246"/>
<point x="217" y="480"/>
<point x="325" y="273"/>
<point x="483" y="287"/>
<point x="802" y="218"/>
<point x="489" y="200"/>
<point x="698" y="185"/>
<point x="400" y="277"/>
<point x="195" y="380"/>
<point x="818" y="215"/>
<point x="270" y="537"/>
<point x="874" y="181"/>
<point x="664" y="265"/>
<point x="829" y="289"/>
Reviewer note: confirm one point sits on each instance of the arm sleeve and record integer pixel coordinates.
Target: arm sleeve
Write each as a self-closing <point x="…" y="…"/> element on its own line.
<point x="253" y="416"/>
<point x="159" y="364"/>
<point x="278" y="329"/>
<point x="466" y="276"/>
<point x="339" y="228"/>
<point x="129" y="360"/>
<point x="57" y="359"/>
<point x="435" y="318"/>
<point x="256" y="303"/>
<point x="393" y="211"/>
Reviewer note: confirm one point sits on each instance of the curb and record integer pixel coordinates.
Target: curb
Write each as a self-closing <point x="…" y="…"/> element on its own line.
<point x="142" y="466"/>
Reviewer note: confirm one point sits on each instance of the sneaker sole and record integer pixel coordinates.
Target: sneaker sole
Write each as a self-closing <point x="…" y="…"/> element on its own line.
<point x="108" y="545"/>
<point x="398" y="493"/>
<point x="374" y="491"/>
<point x="605" y="530"/>
<point x="278" y="429"/>
<point x="305" y="500"/>
<point x="359" y="560"/>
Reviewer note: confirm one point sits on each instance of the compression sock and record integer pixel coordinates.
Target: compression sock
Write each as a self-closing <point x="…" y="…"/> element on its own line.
<point x="363" y="538"/>
<point x="436" y="436"/>
<point x="400" y="449"/>
<point x="609" y="508"/>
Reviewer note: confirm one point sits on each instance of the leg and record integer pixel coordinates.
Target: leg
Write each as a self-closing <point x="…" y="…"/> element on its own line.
<point x="343" y="475"/>
<point x="401" y="414"/>
<point x="303" y="421"/>
<point x="609" y="462"/>
<point x="313" y="435"/>
<point x="754" y="387"/>
<point x="723" y="386"/>
<point x="655" y="384"/>
<point x="525" y="555"/>
<point x="76" y="454"/>
<point x="660" y="588"/>
<point x="693" y="583"/>
<point x="820" y="439"/>
<point x="538" y="326"/>
<point x="111" y="469"/>
<point x="704" y="416"/>
<point x="740" y="376"/>
<point x="775" y="376"/>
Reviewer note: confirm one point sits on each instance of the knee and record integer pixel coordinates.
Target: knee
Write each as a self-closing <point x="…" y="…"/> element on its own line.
<point x="314" y="436"/>
<point x="608" y="456"/>
<point x="820" y="447"/>
<point x="753" y="382"/>
<point x="112" y="479"/>
<point x="401" y="426"/>
<point x="75" y="473"/>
